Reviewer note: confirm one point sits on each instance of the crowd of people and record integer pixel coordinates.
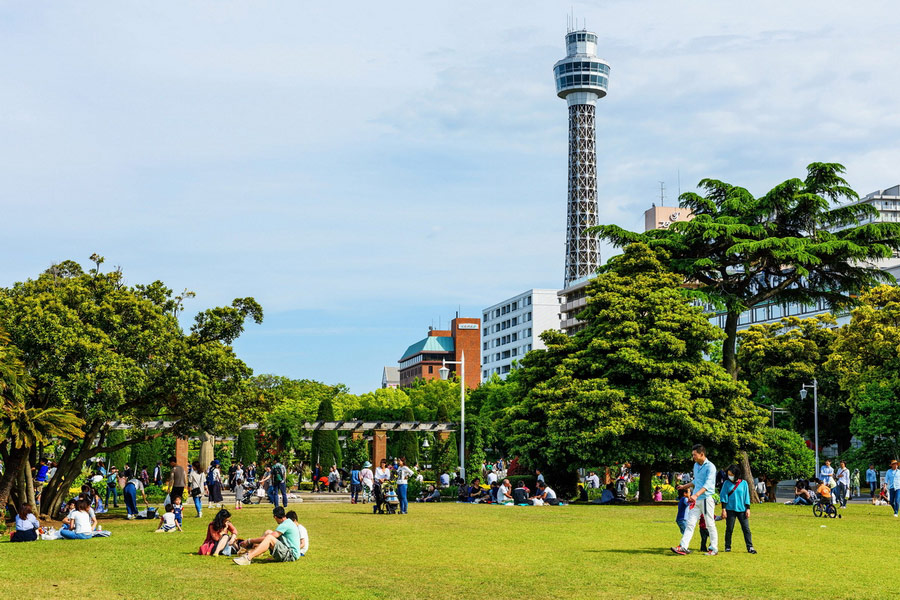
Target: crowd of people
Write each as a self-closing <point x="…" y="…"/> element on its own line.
<point x="837" y="486"/>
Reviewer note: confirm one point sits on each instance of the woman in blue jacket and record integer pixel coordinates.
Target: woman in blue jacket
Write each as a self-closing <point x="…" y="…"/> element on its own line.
<point x="735" y="497"/>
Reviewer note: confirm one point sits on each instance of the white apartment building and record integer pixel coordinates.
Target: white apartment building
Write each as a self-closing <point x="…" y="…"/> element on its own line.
<point x="510" y="329"/>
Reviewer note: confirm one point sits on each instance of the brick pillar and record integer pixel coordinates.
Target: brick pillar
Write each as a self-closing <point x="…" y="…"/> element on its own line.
<point x="379" y="446"/>
<point x="181" y="452"/>
<point x="356" y="436"/>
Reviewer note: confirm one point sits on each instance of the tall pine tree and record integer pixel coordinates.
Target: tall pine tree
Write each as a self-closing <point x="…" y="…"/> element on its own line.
<point x="325" y="448"/>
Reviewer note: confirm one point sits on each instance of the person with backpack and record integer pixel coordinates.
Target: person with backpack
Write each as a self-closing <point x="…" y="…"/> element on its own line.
<point x="112" y="481"/>
<point x="279" y="476"/>
<point x="214" y="484"/>
<point x="735" y="498"/>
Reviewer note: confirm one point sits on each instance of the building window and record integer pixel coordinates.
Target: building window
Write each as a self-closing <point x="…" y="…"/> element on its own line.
<point x="430" y="369"/>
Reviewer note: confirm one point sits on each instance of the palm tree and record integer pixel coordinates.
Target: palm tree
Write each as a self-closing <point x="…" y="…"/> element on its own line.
<point x="22" y="427"/>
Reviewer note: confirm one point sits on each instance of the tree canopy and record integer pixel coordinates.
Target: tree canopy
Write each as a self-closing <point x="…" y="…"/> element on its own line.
<point x="633" y="384"/>
<point x="796" y="243"/>
<point x="776" y="359"/>
<point x="110" y="351"/>
<point x="867" y="364"/>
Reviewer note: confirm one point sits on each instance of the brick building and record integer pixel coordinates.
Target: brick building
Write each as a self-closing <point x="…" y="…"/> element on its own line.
<point x="423" y="359"/>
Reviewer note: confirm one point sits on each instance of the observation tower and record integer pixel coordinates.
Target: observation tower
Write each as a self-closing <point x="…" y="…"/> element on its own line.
<point x="582" y="79"/>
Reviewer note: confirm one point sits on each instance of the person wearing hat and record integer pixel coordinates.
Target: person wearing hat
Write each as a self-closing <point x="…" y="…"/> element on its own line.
<point x="368" y="480"/>
<point x="892" y="479"/>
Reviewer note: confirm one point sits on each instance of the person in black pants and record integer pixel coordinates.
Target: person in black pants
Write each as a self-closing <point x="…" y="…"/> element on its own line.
<point x="177" y="479"/>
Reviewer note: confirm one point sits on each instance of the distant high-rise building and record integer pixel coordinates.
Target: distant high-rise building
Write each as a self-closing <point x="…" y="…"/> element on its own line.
<point x="582" y="79"/>
<point x="512" y="328"/>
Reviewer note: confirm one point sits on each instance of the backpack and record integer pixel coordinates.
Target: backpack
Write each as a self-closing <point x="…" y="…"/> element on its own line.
<point x="210" y="477"/>
<point x="278" y="473"/>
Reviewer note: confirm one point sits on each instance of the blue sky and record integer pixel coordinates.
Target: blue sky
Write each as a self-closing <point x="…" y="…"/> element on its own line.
<point x="364" y="170"/>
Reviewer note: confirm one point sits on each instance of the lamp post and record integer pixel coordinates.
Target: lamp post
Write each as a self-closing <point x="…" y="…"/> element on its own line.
<point x="445" y="374"/>
<point x="803" y="393"/>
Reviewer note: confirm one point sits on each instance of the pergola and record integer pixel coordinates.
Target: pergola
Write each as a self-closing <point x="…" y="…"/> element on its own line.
<point x="354" y="429"/>
<point x="380" y="429"/>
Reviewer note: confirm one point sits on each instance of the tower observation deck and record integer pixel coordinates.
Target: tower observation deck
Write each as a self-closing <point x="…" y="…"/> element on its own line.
<point x="581" y="78"/>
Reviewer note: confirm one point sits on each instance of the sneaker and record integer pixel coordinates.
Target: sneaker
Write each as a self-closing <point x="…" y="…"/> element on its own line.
<point x="680" y="550"/>
<point x="751" y="550"/>
<point x="242" y="560"/>
<point x="200" y="515"/>
<point x="712" y="553"/>
<point x="727" y="549"/>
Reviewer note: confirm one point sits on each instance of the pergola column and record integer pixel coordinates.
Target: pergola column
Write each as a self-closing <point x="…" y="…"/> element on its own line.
<point x="181" y="452"/>
<point x="379" y="446"/>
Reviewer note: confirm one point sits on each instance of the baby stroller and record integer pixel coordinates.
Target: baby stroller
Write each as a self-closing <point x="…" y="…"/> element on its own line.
<point x="391" y="501"/>
<point x="250" y="494"/>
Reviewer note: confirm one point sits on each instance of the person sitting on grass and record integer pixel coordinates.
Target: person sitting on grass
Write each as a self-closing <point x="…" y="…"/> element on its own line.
<point x="504" y="493"/>
<point x="304" y="535"/>
<point x="609" y="495"/>
<point x="546" y="494"/>
<point x="474" y="491"/>
<point x="801" y="494"/>
<point x="283" y="543"/>
<point x="27" y="525"/>
<point x="167" y="521"/>
<point x="78" y="523"/>
<point x="220" y="535"/>
<point x="431" y="495"/>
<point x="520" y="494"/>
<point x="882" y="499"/>
<point x="657" y="495"/>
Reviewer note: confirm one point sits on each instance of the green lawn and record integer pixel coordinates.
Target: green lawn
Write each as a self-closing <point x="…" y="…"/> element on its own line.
<point x="454" y="550"/>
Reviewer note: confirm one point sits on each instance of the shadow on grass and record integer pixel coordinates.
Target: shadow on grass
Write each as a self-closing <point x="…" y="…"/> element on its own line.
<point x="631" y="551"/>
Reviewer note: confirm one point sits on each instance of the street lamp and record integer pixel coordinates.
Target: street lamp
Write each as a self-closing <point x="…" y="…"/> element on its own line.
<point x="803" y="393"/>
<point x="445" y="374"/>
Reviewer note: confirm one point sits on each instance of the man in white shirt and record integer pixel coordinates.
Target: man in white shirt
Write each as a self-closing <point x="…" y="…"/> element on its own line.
<point x="491" y="476"/>
<point x="843" y="484"/>
<point x="593" y="481"/>
<point x="504" y="492"/>
<point x="546" y="494"/>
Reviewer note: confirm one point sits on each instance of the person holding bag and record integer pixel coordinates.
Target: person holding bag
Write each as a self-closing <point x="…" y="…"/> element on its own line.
<point x="735" y="498"/>
<point x="197" y="485"/>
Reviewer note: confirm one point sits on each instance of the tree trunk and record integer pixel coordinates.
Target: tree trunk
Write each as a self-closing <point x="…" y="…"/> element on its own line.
<point x="28" y="491"/>
<point x="11" y="474"/>
<point x="645" y="484"/>
<point x="748" y="476"/>
<point x="729" y="346"/>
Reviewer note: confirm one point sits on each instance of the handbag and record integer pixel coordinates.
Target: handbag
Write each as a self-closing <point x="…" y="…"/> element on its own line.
<point x="195" y="492"/>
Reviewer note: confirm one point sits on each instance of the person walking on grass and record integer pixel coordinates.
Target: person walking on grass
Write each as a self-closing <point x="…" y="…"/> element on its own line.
<point x="892" y="479"/>
<point x="279" y="482"/>
<point x="177" y="479"/>
<point x="872" y="481"/>
<point x="702" y="504"/>
<point x="735" y="497"/>
<point x="283" y="543"/>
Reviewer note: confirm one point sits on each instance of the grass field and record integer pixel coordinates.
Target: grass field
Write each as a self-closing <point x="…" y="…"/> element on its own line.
<point x="454" y="550"/>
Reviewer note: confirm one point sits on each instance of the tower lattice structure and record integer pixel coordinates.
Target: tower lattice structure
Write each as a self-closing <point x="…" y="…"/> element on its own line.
<point x="581" y="78"/>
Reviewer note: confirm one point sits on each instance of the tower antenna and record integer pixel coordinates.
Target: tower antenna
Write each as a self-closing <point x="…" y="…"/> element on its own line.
<point x="662" y="193"/>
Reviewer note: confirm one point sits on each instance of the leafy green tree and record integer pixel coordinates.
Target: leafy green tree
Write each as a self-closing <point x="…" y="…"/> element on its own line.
<point x="245" y="448"/>
<point x="325" y="447"/>
<point x="867" y="364"/>
<point x="24" y="427"/>
<point x="778" y="358"/>
<point x="632" y="385"/>
<point x="108" y="351"/>
<point x="444" y="453"/>
<point x="793" y="244"/>
<point x="357" y="452"/>
<point x="782" y="455"/>
<point x="408" y="441"/>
